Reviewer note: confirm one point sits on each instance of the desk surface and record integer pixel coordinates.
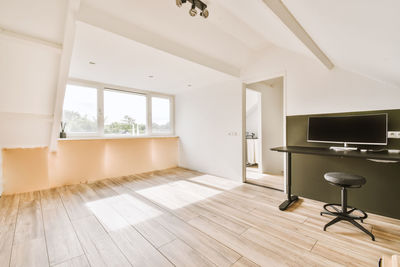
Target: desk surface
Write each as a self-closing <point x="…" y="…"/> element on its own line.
<point x="382" y="155"/>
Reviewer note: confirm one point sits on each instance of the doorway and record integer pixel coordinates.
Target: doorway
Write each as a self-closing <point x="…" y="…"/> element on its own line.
<point x="265" y="125"/>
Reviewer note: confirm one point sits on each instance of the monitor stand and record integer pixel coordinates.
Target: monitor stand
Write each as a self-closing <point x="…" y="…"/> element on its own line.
<point x="343" y="148"/>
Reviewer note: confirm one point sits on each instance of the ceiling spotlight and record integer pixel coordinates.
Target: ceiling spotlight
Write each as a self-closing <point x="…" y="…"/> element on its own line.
<point x="196" y="4"/>
<point x="193" y="11"/>
<point x="204" y="13"/>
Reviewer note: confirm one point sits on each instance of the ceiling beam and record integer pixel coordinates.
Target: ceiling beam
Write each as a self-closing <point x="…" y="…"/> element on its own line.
<point x="283" y="13"/>
<point x="66" y="54"/>
<point x="31" y="40"/>
<point x="123" y="28"/>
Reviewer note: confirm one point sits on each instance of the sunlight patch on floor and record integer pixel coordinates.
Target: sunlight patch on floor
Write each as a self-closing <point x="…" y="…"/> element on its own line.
<point x="257" y="175"/>
<point x="122" y="211"/>
<point x="215" y="181"/>
<point x="178" y="194"/>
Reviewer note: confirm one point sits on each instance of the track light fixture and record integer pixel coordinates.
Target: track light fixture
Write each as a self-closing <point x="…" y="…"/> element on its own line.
<point x="193" y="11"/>
<point x="204" y="13"/>
<point x="195" y="4"/>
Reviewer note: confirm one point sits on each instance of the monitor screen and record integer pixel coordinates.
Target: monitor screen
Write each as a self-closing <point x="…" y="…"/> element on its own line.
<point x="359" y="129"/>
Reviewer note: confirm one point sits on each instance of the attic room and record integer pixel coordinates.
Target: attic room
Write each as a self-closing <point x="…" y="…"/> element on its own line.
<point x="199" y="133"/>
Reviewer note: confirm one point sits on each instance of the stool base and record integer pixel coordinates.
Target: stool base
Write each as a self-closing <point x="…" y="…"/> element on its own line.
<point x="346" y="216"/>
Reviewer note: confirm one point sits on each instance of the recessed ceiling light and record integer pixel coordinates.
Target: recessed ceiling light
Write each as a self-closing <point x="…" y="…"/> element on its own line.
<point x="92" y="63"/>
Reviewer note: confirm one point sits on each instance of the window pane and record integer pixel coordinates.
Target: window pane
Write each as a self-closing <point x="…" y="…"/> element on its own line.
<point x="161" y="121"/>
<point x="80" y="109"/>
<point x="124" y="113"/>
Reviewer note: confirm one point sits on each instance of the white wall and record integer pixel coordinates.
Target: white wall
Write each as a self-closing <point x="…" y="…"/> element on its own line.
<point x="206" y="116"/>
<point x="272" y="125"/>
<point x="209" y="125"/>
<point x="311" y="88"/>
<point x="31" y="34"/>
<point x="28" y="76"/>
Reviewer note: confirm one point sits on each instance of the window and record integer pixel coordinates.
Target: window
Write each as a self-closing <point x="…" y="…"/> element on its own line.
<point x="91" y="109"/>
<point x="161" y="115"/>
<point x="124" y="113"/>
<point x="80" y="109"/>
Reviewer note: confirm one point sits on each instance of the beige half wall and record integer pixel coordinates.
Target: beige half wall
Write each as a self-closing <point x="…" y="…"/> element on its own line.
<point x="79" y="161"/>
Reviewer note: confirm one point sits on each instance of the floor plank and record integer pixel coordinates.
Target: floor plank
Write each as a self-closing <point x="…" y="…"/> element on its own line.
<point x="29" y="246"/>
<point x="97" y="244"/>
<point x="62" y="242"/>
<point x="180" y="254"/>
<point x="80" y="261"/>
<point x="244" y="262"/>
<point x="301" y="257"/>
<point x="8" y="219"/>
<point x="337" y="253"/>
<point x="215" y="251"/>
<point x="8" y="209"/>
<point x="6" y="242"/>
<point x="30" y="253"/>
<point x="73" y="202"/>
<point x="137" y="249"/>
<point x="248" y="248"/>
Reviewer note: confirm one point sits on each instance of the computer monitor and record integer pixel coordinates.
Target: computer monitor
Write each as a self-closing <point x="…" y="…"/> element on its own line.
<point x="355" y="129"/>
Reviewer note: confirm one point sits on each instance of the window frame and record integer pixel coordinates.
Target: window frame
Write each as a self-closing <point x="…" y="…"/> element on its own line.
<point x="171" y="112"/>
<point x="124" y="92"/>
<point x="84" y="134"/>
<point x="101" y="88"/>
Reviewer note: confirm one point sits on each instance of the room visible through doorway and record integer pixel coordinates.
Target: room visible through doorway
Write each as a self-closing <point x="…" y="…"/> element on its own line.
<point x="264" y="130"/>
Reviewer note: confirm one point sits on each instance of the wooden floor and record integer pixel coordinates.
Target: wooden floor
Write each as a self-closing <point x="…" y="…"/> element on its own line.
<point x="272" y="181"/>
<point x="183" y="218"/>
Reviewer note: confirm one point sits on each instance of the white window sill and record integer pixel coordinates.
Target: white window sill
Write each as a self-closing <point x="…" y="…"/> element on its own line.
<point x="115" y="137"/>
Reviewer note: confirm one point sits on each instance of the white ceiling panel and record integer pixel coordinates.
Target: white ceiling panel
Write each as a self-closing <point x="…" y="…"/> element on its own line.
<point x="124" y="62"/>
<point x="358" y="35"/>
<point x="42" y="19"/>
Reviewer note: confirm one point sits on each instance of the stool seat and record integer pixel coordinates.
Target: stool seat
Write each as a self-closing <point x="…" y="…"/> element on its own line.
<point x="344" y="179"/>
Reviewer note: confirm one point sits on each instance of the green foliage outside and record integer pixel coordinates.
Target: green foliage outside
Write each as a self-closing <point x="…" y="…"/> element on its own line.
<point x="163" y="128"/>
<point x="78" y="123"/>
<point x="128" y="125"/>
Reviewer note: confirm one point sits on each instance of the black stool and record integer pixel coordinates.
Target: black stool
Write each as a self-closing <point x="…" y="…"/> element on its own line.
<point x="341" y="212"/>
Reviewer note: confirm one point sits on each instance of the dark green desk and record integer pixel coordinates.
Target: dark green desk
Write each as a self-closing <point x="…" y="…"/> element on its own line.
<point x="289" y="150"/>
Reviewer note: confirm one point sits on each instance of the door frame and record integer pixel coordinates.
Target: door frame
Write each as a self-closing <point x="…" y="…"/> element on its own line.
<point x="244" y="87"/>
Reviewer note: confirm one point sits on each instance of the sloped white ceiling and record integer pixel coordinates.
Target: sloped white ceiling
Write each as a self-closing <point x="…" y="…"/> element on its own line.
<point x="358" y="35"/>
<point x="233" y="33"/>
<point x="221" y="36"/>
<point x="124" y="62"/>
<point x="262" y="20"/>
<point x="42" y="19"/>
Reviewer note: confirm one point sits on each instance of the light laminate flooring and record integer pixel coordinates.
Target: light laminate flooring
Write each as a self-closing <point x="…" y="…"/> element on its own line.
<point x="179" y="217"/>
